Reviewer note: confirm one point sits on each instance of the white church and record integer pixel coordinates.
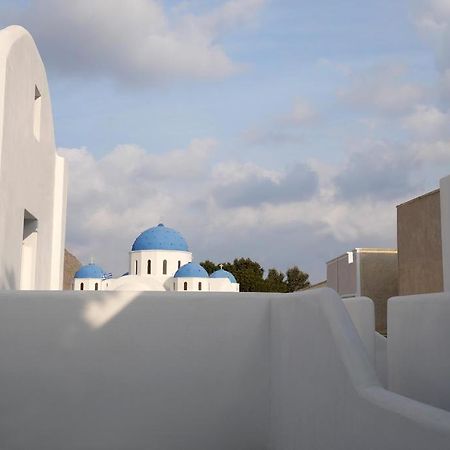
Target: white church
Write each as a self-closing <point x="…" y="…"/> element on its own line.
<point x="160" y="260"/>
<point x="132" y="364"/>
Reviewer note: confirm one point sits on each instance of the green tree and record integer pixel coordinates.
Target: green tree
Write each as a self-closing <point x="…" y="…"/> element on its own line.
<point x="248" y="273"/>
<point x="296" y="279"/>
<point x="209" y="266"/>
<point x="275" y="281"/>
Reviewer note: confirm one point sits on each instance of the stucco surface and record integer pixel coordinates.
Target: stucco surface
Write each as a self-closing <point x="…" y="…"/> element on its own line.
<point x="418" y="347"/>
<point x="114" y="370"/>
<point x="32" y="175"/>
<point x="420" y="245"/>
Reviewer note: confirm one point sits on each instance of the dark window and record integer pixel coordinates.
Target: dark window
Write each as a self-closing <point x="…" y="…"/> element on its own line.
<point x="185" y="285"/>
<point x="149" y="267"/>
<point x="199" y="285"/>
<point x="165" y="267"/>
<point x="96" y="286"/>
<point x="82" y="287"/>
<point x="179" y="264"/>
<point x="136" y="267"/>
<point x="174" y="287"/>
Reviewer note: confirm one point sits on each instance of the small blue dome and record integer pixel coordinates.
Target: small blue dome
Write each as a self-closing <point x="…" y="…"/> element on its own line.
<point x="160" y="238"/>
<point x="223" y="274"/>
<point x="191" y="270"/>
<point x="90" y="271"/>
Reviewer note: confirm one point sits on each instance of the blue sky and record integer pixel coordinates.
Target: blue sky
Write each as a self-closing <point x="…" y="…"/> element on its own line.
<point x="286" y="131"/>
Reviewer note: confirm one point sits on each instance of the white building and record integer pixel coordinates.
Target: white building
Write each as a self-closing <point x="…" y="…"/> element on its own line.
<point x="32" y="176"/>
<point x="160" y="260"/>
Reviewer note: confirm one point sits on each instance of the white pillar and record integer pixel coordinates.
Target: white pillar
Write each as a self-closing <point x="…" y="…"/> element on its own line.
<point x="445" y="229"/>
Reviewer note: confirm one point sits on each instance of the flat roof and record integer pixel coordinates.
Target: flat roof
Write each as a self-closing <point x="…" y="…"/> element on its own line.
<point x="366" y="250"/>
<point x="418" y="198"/>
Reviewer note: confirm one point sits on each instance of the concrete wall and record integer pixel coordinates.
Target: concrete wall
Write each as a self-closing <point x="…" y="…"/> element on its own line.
<point x="420" y="245"/>
<point x="32" y="176"/>
<point x="325" y="393"/>
<point x="114" y="370"/>
<point x="342" y="274"/>
<point x="379" y="281"/>
<point x="418" y="348"/>
<point x="445" y="230"/>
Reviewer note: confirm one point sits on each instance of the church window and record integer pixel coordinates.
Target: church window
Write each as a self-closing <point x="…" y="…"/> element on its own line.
<point x="96" y="286"/>
<point x="174" y="287"/>
<point x="149" y="267"/>
<point x="82" y="287"/>
<point x="165" y="267"/>
<point x="136" y="267"/>
<point x="179" y="264"/>
<point x="199" y="285"/>
<point x="185" y="285"/>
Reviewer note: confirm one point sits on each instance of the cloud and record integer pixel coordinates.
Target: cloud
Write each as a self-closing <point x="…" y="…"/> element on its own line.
<point x="381" y="170"/>
<point x="427" y="121"/>
<point x="284" y="128"/>
<point x="433" y="22"/>
<point x="298" y="184"/>
<point x="224" y="209"/>
<point x="382" y="89"/>
<point x="136" y="41"/>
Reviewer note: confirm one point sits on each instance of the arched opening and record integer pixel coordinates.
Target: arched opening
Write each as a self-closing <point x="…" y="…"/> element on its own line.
<point x="179" y="264"/>
<point x="96" y="286"/>
<point x="185" y="285"/>
<point x="199" y="285"/>
<point x="165" y="267"/>
<point x="136" y="267"/>
<point x="174" y="287"/>
<point x="149" y="267"/>
<point x="82" y="287"/>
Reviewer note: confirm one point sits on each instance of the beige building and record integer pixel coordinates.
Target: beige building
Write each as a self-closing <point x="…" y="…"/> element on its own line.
<point x="420" y="245"/>
<point x="370" y="272"/>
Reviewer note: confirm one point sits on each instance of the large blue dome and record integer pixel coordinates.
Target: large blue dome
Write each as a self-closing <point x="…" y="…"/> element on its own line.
<point x="223" y="274"/>
<point x="160" y="238"/>
<point x="90" y="271"/>
<point x="191" y="270"/>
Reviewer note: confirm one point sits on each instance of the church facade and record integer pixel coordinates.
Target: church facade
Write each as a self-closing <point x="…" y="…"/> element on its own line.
<point x="159" y="260"/>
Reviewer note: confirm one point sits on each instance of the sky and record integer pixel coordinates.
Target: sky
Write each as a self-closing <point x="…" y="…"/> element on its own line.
<point x="286" y="131"/>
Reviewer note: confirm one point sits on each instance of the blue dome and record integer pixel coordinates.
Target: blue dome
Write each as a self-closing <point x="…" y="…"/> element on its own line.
<point x="90" y="271"/>
<point x="160" y="238"/>
<point x="191" y="270"/>
<point x="223" y="274"/>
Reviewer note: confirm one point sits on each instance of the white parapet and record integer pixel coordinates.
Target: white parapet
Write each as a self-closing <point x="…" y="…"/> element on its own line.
<point x="120" y="370"/>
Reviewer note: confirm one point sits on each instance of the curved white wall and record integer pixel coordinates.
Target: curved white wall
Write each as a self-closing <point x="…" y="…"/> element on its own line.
<point x="32" y="176"/>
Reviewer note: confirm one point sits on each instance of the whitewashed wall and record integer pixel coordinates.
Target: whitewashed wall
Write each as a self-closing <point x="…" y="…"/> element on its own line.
<point x="419" y="347"/>
<point x="32" y="176"/>
<point x="122" y="370"/>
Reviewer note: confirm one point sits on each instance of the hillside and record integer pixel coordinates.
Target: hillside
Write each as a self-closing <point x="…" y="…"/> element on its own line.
<point x="71" y="265"/>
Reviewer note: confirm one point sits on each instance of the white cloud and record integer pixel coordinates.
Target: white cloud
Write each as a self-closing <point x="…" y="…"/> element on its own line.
<point x="427" y="121"/>
<point x="225" y="209"/>
<point x="135" y="41"/>
<point x="284" y="128"/>
<point x="433" y="22"/>
<point x="383" y="89"/>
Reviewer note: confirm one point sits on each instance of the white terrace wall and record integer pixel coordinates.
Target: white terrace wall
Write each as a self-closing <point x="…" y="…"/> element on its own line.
<point x="32" y="175"/>
<point x="419" y="347"/>
<point x="121" y="370"/>
<point x="117" y="370"/>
